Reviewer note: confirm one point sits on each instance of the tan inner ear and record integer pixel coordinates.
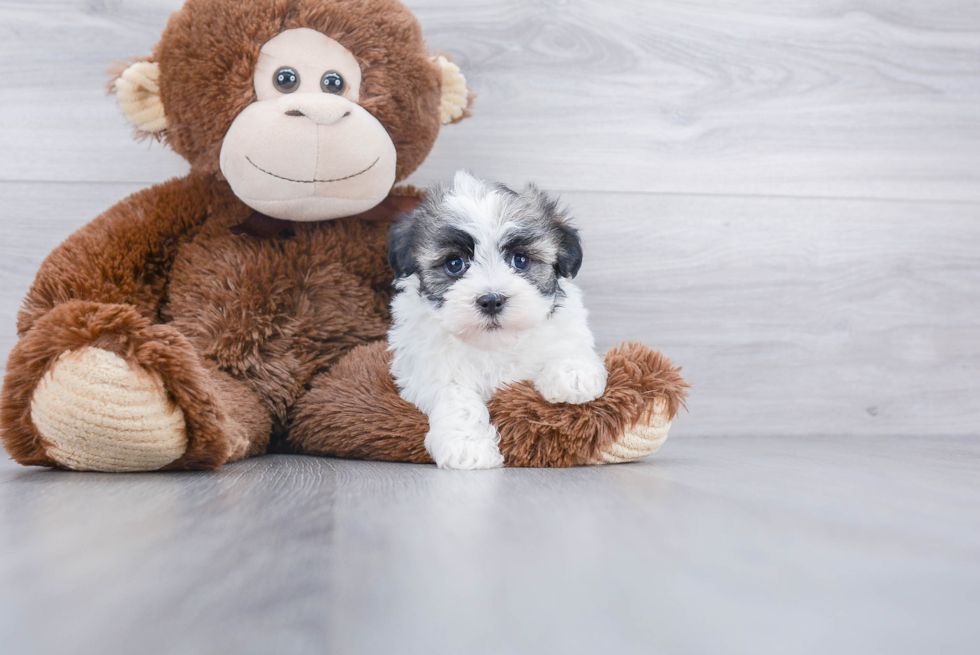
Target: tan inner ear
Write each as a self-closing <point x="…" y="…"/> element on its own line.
<point x="138" y="89"/>
<point x="455" y="95"/>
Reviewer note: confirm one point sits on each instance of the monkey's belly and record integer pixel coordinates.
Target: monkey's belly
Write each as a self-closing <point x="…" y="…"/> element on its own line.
<point x="272" y="312"/>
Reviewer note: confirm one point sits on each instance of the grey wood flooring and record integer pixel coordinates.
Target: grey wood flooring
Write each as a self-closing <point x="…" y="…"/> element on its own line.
<point x="716" y="545"/>
<point x="783" y="197"/>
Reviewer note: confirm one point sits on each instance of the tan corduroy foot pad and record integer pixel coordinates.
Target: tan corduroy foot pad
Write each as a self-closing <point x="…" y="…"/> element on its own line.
<point x="644" y="438"/>
<point x="97" y="413"/>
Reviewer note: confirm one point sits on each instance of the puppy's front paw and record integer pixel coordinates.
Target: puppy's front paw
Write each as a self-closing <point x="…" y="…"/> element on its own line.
<point x="464" y="451"/>
<point x="572" y="382"/>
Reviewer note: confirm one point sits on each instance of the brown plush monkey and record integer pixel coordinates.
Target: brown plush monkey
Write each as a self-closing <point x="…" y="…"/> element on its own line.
<point x="242" y="309"/>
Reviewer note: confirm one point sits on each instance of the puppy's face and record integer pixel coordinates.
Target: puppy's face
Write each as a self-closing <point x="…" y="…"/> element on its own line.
<point x="488" y="260"/>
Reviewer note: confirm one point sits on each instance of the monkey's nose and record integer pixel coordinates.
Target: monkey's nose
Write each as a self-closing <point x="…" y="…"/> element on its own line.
<point x="320" y="108"/>
<point x="491" y="304"/>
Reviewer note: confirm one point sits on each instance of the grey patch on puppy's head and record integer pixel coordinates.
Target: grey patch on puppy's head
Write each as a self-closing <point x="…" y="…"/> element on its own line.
<point x="553" y="224"/>
<point x="417" y="239"/>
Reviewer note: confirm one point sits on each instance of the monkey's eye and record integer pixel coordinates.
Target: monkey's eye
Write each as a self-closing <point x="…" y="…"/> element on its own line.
<point x="455" y="265"/>
<point x="332" y="82"/>
<point x="286" y="80"/>
<point x="520" y="261"/>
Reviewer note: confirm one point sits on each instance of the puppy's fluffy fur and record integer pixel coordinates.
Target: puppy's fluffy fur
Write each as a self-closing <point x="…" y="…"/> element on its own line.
<point x="485" y="297"/>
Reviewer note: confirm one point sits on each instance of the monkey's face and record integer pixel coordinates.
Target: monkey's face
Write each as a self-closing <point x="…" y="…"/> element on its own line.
<point x="311" y="109"/>
<point x="306" y="150"/>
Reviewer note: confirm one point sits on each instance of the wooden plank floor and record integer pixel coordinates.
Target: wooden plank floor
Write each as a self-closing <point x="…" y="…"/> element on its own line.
<point x="716" y="545"/>
<point x="783" y="197"/>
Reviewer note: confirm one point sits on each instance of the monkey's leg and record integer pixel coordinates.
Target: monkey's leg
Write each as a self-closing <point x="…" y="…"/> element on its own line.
<point x="100" y="387"/>
<point x="354" y="410"/>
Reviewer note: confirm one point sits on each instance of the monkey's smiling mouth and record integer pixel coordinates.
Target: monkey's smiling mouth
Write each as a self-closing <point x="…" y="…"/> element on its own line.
<point x="339" y="179"/>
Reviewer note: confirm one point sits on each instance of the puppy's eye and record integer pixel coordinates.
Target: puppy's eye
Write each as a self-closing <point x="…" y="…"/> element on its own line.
<point x="520" y="261"/>
<point x="332" y="82"/>
<point x="286" y="80"/>
<point x="455" y="266"/>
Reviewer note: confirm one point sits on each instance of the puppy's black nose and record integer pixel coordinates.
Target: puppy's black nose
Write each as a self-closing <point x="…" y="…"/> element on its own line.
<point x="490" y="304"/>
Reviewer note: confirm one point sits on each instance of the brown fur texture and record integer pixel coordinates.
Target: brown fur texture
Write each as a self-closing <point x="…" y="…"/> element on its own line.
<point x="276" y="343"/>
<point x="355" y="411"/>
<point x="273" y="312"/>
<point x="536" y="433"/>
<point x="124" y="255"/>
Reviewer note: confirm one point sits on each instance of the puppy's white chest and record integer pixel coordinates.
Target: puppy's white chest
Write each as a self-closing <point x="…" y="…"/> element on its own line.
<point x="490" y="370"/>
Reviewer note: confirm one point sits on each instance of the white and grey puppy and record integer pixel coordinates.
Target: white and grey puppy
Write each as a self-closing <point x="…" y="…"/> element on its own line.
<point x="485" y="297"/>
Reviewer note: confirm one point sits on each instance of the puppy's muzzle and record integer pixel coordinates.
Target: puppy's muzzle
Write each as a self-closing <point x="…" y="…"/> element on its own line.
<point x="491" y="304"/>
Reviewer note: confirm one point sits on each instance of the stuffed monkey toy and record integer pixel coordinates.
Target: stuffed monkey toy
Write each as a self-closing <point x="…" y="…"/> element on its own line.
<point x="242" y="309"/>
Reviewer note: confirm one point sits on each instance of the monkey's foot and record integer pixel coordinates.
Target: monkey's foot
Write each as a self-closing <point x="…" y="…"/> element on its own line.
<point x="97" y="412"/>
<point x="644" y="438"/>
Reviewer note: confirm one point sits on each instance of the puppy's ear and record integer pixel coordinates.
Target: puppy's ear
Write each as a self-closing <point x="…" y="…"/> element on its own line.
<point x="400" y="244"/>
<point x="569" y="244"/>
<point x="569" y="250"/>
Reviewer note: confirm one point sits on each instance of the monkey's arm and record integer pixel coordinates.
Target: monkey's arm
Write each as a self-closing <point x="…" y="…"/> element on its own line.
<point x="123" y="257"/>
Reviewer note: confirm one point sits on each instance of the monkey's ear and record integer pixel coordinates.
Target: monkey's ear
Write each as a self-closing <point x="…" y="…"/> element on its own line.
<point x="138" y="88"/>
<point x="456" y="98"/>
